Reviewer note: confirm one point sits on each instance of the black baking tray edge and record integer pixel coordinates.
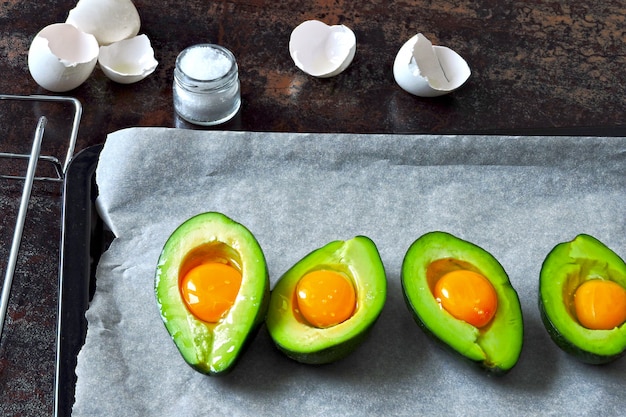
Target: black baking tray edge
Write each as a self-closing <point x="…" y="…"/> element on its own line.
<point x="83" y="239"/>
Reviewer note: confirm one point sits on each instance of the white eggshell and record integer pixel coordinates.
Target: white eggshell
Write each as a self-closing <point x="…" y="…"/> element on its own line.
<point x="108" y="20"/>
<point x="429" y="71"/>
<point x="129" y="60"/>
<point x="61" y="57"/>
<point x="321" y="50"/>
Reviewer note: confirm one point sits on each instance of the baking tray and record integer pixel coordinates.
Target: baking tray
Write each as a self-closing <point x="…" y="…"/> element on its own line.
<point x="84" y="238"/>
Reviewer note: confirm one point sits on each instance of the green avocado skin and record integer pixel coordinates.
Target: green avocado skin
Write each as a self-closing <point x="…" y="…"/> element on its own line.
<point x="357" y="258"/>
<point x="571" y="348"/>
<point x="212" y="348"/>
<point x="566" y="266"/>
<point x="496" y="348"/>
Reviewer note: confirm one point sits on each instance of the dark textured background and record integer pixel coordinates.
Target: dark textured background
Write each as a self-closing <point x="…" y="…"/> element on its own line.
<point x="537" y="67"/>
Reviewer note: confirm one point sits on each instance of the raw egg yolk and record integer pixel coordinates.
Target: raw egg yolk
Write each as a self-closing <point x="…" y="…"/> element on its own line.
<point x="209" y="290"/>
<point x="600" y="304"/>
<point x="325" y="298"/>
<point x="467" y="296"/>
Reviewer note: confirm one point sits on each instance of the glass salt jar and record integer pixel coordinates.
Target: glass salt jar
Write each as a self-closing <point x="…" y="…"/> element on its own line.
<point x="206" y="85"/>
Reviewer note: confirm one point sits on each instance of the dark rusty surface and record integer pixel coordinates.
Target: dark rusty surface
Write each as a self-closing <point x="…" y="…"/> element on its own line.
<point x="537" y="66"/>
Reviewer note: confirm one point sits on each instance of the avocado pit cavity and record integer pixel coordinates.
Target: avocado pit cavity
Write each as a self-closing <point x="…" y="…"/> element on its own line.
<point x="468" y="296"/>
<point x="600" y="304"/>
<point x="209" y="281"/>
<point x="463" y="291"/>
<point x="325" y="298"/>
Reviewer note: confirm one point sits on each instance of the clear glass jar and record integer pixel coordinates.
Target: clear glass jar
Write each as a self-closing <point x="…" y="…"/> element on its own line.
<point x="206" y="85"/>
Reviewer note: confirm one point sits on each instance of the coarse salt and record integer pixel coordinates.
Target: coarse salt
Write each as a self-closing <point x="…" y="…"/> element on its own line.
<point x="205" y="64"/>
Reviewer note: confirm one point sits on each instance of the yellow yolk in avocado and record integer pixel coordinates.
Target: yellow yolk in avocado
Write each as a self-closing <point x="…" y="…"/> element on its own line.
<point x="210" y="289"/>
<point x="325" y="298"/>
<point x="600" y="304"/>
<point x="467" y="296"/>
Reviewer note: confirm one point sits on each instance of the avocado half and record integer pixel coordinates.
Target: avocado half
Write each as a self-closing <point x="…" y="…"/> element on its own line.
<point x="497" y="346"/>
<point x="212" y="348"/>
<point x="566" y="267"/>
<point x="358" y="259"/>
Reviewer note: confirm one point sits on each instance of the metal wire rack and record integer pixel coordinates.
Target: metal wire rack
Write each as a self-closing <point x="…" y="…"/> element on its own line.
<point x="33" y="158"/>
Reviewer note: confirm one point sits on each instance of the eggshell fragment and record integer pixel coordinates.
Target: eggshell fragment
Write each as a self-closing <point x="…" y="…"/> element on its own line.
<point x="321" y="50"/>
<point x="61" y="57"/>
<point x="108" y="20"/>
<point x="429" y="71"/>
<point x="129" y="60"/>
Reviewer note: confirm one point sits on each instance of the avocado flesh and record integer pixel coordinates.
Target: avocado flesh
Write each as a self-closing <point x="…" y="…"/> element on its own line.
<point x="567" y="266"/>
<point x="497" y="346"/>
<point x="212" y="348"/>
<point x="357" y="258"/>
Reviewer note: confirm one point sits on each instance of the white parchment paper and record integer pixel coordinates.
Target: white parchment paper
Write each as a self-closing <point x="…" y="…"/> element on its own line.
<point x="517" y="197"/>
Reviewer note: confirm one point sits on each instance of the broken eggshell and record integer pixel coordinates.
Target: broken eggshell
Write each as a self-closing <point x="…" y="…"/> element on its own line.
<point x="321" y="50"/>
<point x="61" y="57"/>
<point x="129" y="60"/>
<point x="429" y="71"/>
<point x="108" y="20"/>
